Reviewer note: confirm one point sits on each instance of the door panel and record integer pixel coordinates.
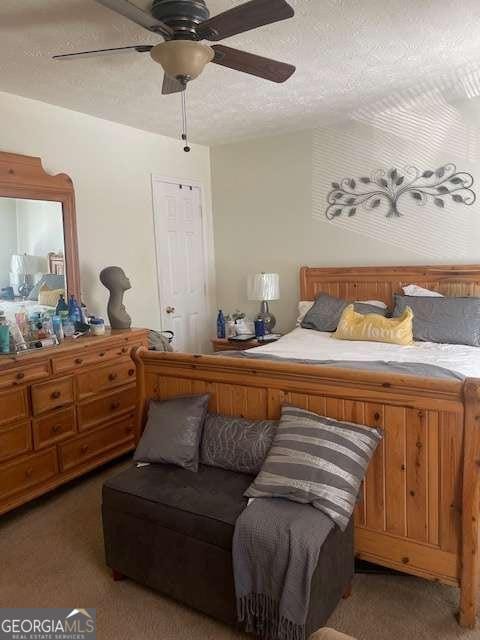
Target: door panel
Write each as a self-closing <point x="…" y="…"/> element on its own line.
<point x="181" y="264"/>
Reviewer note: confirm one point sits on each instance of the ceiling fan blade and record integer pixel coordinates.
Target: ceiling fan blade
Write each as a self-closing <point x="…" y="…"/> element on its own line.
<point x="250" y="63"/>
<point x="171" y="85"/>
<point x="132" y="12"/>
<point x="141" y="48"/>
<point x="245" y="17"/>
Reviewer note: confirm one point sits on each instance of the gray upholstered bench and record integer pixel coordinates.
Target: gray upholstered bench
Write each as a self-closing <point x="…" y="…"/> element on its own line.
<point x="171" y="529"/>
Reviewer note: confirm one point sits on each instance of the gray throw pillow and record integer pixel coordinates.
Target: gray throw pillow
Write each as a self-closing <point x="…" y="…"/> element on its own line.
<point x="236" y="444"/>
<point x="316" y="460"/>
<point x="173" y="431"/>
<point x="444" y="320"/>
<point x="326" y="311"/>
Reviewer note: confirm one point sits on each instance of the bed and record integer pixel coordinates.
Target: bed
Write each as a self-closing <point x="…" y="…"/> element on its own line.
<point x="420" y="502"/>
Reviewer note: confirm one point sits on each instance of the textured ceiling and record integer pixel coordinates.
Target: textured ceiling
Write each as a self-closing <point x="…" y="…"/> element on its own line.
<point x="349" y="54"/>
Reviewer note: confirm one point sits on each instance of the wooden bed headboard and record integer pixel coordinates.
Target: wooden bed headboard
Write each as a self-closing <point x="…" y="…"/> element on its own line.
<point x="381" y="283"/>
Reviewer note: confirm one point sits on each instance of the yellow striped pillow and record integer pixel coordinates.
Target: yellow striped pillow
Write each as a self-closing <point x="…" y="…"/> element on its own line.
<point x="375" y="328"/>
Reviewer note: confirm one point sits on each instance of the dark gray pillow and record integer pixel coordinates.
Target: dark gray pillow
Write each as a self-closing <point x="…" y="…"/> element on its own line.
<point x="444" y="320"/>
<point x="173" y="431"/>
<point x="235" y="443"/>
<point x="318" y="461"/>
<point x="326" y="311"/>
<point x="53" y="282"/>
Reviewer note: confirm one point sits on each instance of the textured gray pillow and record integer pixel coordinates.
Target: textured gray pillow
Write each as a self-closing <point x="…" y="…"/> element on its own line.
<point x="173" y="431"/>
<point x="235" y="443"/>
<point x="326" y="311"/>
<point x="317" y="460"/>
<point x="444" y="320"/>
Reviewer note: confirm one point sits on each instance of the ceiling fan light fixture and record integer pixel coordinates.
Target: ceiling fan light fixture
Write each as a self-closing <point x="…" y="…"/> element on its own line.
<point x="182" y="58"/>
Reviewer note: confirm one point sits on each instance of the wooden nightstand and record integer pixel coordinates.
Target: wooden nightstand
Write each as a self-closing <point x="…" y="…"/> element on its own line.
<point x="222" y="344"/>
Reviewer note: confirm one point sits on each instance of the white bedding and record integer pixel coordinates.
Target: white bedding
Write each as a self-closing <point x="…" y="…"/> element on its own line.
<point x="306" y="344"/>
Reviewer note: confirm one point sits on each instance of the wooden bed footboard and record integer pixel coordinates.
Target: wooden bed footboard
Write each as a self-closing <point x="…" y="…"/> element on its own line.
<point x="420" y="501"/>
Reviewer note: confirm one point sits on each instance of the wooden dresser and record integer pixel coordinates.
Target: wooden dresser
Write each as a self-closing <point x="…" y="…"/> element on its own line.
<point x="64" y="411"/>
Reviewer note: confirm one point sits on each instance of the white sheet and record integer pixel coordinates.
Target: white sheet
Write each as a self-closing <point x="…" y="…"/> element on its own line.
<point x="307" y="344"/>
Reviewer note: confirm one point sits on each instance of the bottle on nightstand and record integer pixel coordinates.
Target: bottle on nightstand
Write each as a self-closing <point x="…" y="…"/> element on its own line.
<point x="220" y="324"/>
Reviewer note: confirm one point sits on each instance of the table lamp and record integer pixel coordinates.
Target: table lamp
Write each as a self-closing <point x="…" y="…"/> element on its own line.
<point x="22" y="268"/>
<point x="264" y="287"/>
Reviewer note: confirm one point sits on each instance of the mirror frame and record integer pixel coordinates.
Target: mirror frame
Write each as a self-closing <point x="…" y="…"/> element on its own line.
<point x="24" y="177"/>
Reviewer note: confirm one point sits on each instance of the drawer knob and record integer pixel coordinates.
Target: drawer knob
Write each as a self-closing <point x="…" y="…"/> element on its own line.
<point x="20" y="375"/>
<point x="101" y="354"/>
<point x="131" y="372"/>
<point x="114" y="406"/>
<point x="56" y="429"/>
<point x="84" y="448"/>
<point x="28" y="472"/>
<point x="124" y="349"/>
<point x="113" y="376"/>
<point x="55" y="395"/>
<point x="78" y="360"/>
<point x="129" y="429"/>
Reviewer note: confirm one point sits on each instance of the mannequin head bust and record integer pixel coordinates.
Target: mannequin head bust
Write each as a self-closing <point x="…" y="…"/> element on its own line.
<point x="115" y="280"/>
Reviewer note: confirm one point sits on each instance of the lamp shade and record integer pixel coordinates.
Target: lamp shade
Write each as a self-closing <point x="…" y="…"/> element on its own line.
<point x="23" y="264"/>
<point x="264" y="286"/>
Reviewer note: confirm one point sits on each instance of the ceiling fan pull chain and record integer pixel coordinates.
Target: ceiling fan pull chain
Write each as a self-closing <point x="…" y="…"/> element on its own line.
<point x="186" y="148"/>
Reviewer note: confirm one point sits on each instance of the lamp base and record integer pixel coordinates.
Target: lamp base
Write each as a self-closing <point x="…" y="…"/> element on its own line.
<point x="267" y="317"/>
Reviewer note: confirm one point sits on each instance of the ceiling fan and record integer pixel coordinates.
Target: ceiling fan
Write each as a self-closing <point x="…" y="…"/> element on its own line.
<point x="183" y="24"/>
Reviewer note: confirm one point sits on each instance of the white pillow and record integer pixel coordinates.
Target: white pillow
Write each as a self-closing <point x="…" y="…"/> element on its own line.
<point x="305" y="305"/>
<point x="415" y="290"/>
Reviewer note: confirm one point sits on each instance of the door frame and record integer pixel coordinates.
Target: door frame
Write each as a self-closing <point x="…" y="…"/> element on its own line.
<point x="207" y="238"/>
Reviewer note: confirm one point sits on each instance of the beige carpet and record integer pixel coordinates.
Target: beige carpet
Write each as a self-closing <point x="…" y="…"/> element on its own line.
<point x="51" y="555"/>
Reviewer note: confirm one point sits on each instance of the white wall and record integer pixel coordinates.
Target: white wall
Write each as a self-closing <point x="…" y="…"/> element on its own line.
<point x="39" y="228"/>
<point x="111" y="167"/>
<point x="8" y="238"/>
<point x="270" y="198"/>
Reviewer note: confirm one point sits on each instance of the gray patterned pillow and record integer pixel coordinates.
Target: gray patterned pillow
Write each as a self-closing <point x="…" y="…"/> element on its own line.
<point x="318" y="461"/>
<point x="236" y="444"/>
<point x="444" y="320"/>
<point x="326" y="311"/>
<point x="173" y="431"/>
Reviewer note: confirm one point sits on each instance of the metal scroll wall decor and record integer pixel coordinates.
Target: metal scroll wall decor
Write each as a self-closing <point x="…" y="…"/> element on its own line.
<point x="392" y="187"/>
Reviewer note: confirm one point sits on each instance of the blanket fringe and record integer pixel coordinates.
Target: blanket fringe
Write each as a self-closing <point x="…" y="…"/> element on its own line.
<point x="260" y="614"/>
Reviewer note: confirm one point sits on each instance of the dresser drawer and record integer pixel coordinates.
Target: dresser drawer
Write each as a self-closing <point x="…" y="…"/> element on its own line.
<point x="52" y="395"/>
<point x="108" y="406"/>
<point x="104" y="378"/>
<point x="20" y="475"/>
<point x="23" y="375"/>
<point x="54" y="427"/>
<point x="83" y="448"/>
<point x="76" y="361"/>
<point x="13" y="406"/>
<point x="15" y="439"/>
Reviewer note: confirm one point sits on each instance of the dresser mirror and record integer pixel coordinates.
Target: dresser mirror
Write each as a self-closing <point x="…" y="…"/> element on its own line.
<point x="38" y="238"/>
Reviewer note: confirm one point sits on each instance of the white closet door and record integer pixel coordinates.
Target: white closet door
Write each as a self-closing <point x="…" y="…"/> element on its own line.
<point x="181" y="264"/>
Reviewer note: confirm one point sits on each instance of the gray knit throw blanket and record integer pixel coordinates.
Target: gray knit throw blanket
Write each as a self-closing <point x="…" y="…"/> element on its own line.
<point x="276" y="545"/>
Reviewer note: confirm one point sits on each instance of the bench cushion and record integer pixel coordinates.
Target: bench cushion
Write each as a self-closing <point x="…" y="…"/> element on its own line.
<point x="202" y="505"/>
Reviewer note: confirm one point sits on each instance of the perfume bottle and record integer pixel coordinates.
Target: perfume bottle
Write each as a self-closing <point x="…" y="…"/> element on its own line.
<point x="61" y="305"/>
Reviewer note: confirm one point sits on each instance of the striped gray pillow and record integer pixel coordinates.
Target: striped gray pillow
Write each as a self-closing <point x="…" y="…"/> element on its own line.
<point x="317" y="460"/>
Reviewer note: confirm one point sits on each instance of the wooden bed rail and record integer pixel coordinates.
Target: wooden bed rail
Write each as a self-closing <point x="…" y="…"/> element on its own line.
<point x="420" y="506"/>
